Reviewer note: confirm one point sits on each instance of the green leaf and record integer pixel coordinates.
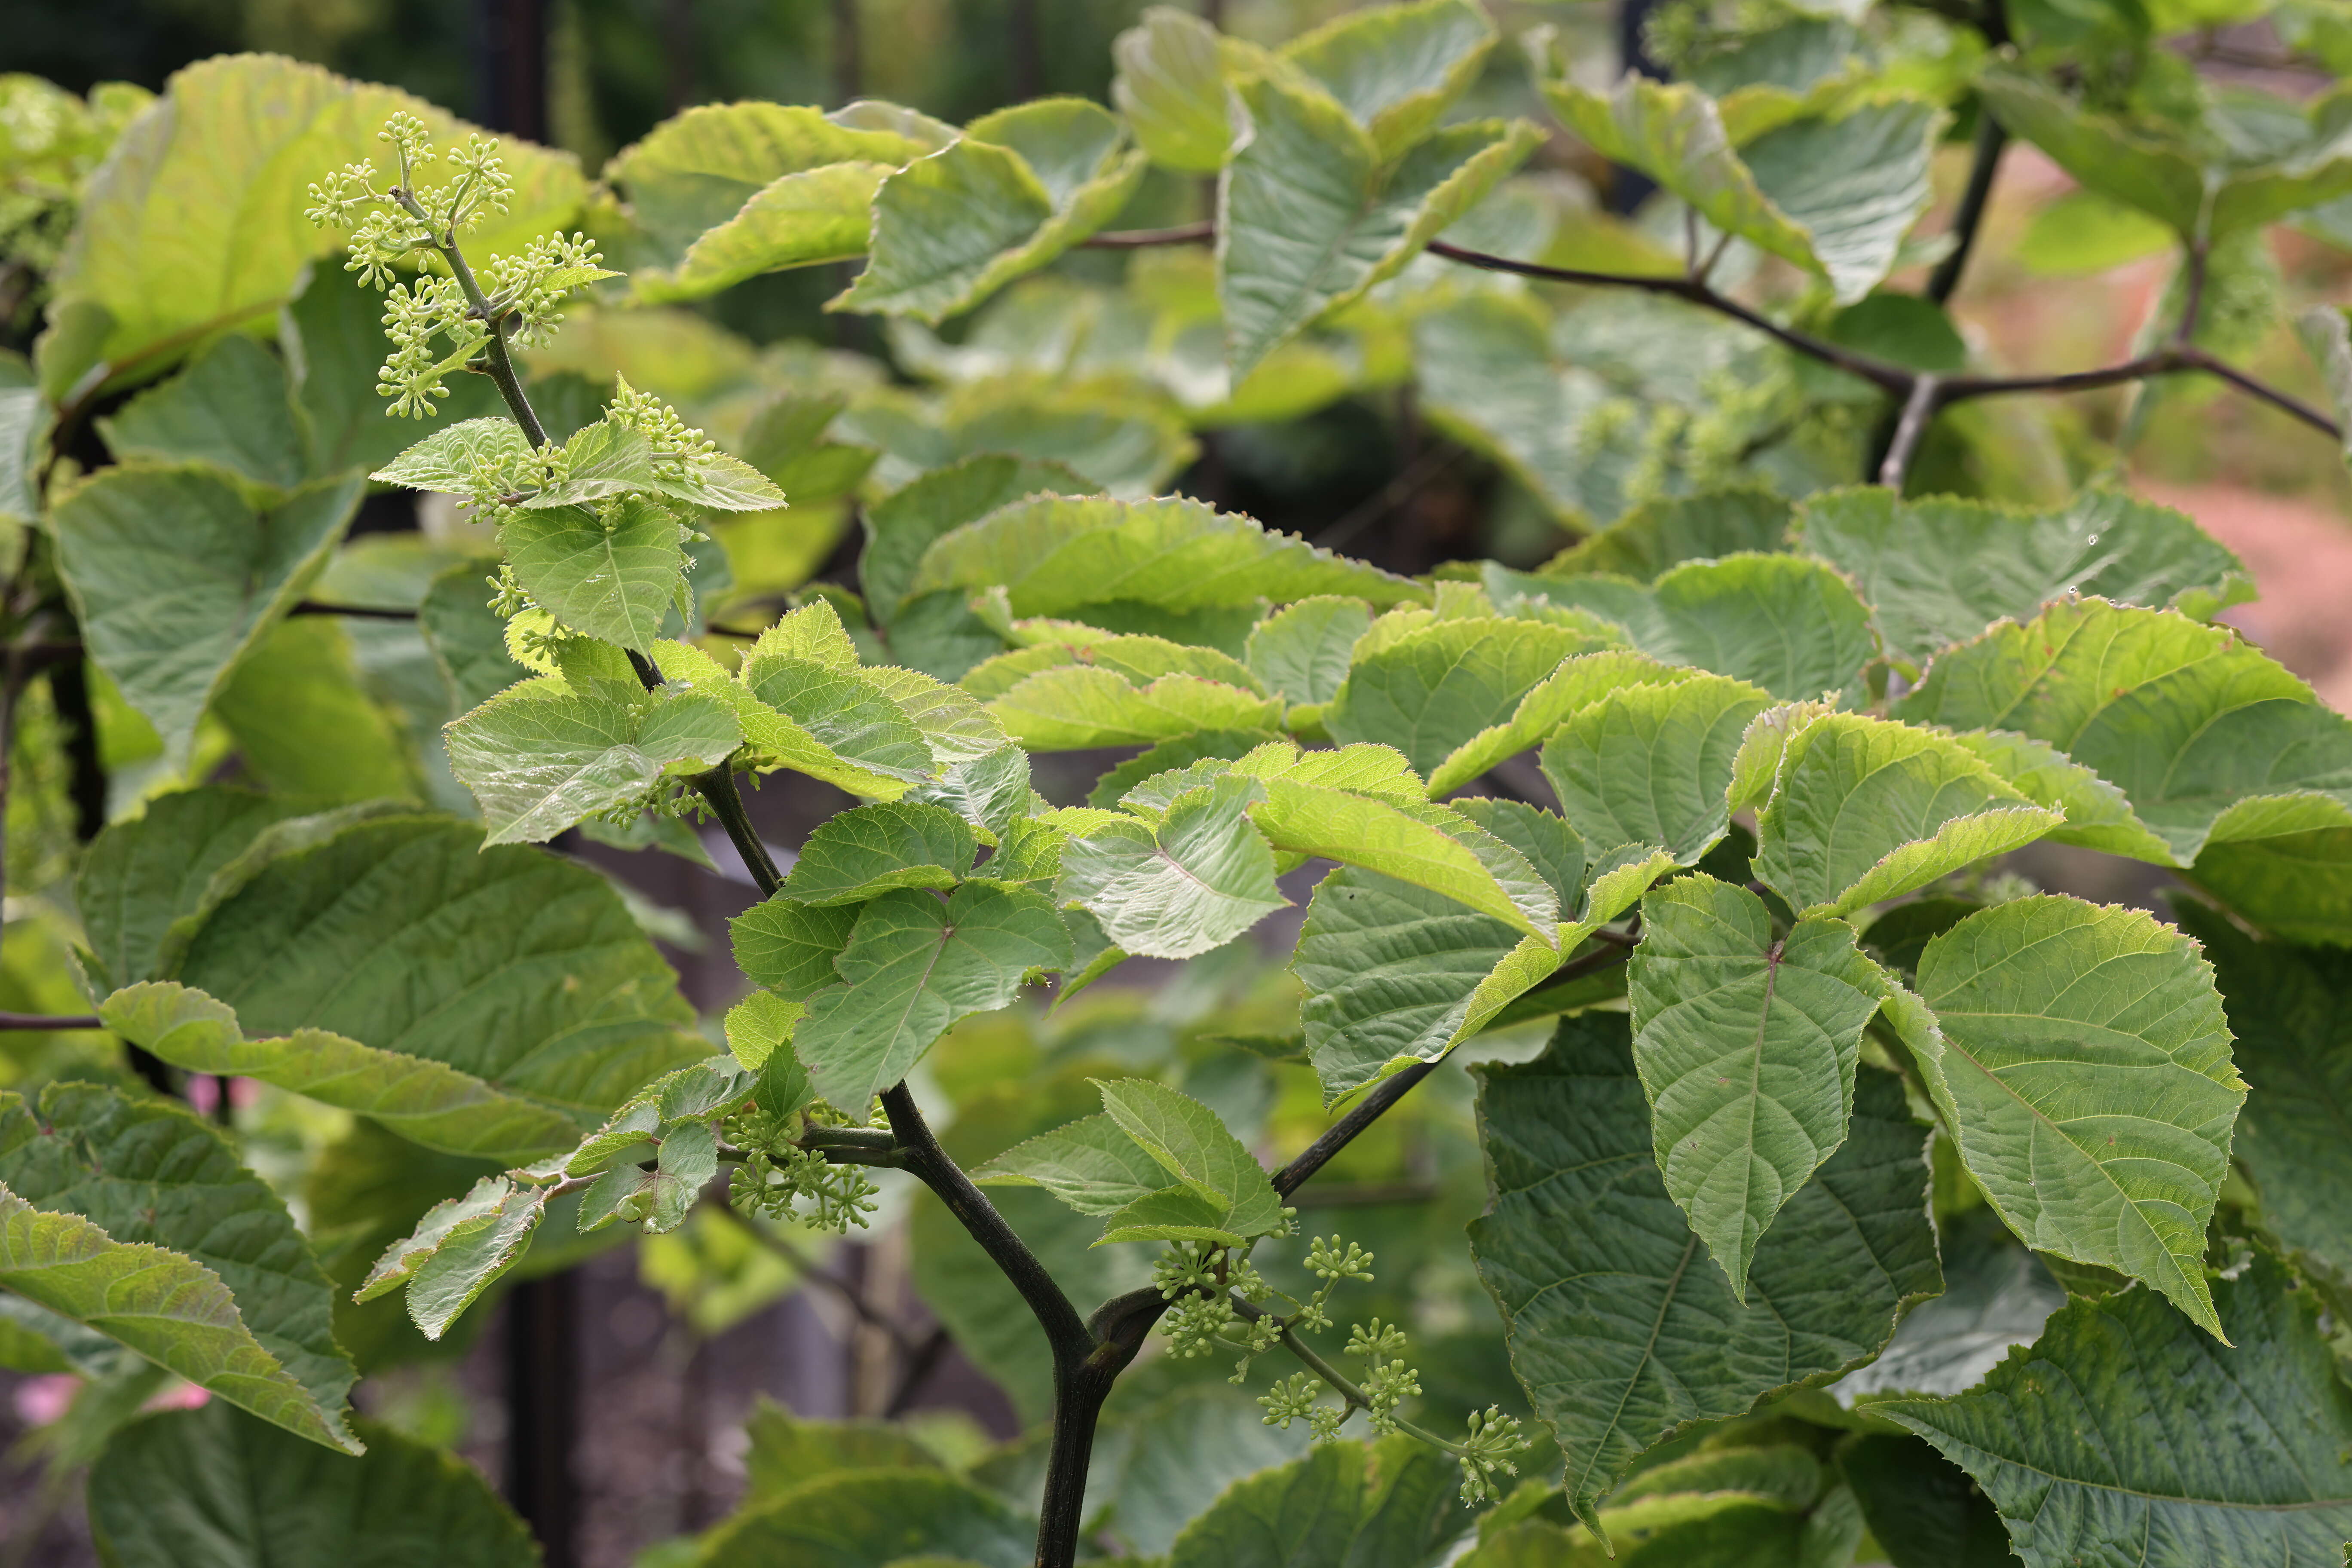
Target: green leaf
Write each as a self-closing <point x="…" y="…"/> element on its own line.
<point x="166" y="1306"/>
<point x="902" y="526"/>
<point x="457" y="1250"/>
<point x="226" y="410"/>
<point x="1619" y="1332"/>
<point x="1834" y="195"/>
<point x="2282" y="1007"/>
<point x="521" y="968"/>
<point x="173" y="578"/>
<point x="1195" y="880"/>
<point x="2202" y="193"/>
<point x="1431" y="690"/>
<point x="304" y="724"/>
<point x="447" y="459"/>
<point x="1171" y="89"/>
<point x="2123" y="1433"/>
<point x="1056" y="556"/>
<point x="875" y="1518"/>
<point x="1397" y="69"/>
<point x="2080" y="1056"/>
<point x="24" y="419"/>
<point x="1091" y="1165"/>
<point x="786" y="1451"/>
<point x="799" y="219"/>
<point x="2186" y="720"/>
<point x="1747" y="1045"/>
<point x="1580" y="683"/>
<point x="841" y="724"/>
<point x="150" y="1172"/>
<point x="1669" y="530"/>
<point x="867" y="850"/>
<point x="1346" y="1505"/>
<point x="211" y="1487"/>
<point x="1793" y="626"/>
<point x="332" y="340"/>
<point x="1430" y="847"/>
<point x="195" y="223"/>
<point x="612" y="571"/>
<point x="2097" y="815"/>
<point x="467" y="637"/>
<point x="1312" y="212"/>
<point x="1996" y="1295"/>
<point x="1648" y="765"/>
<point x="422" y="1101"/>
<point x="1192" y="1145"/>
<point x="789" y="947"/>
<point x="539" y="758"/>
<point x="1923" y="1512"/>
<point x="1300" y="652"/>
<point x="1938" y="570"/>
<point x="912" y="967"/>
<point x="1864" y="810"/>
<point x="1078" y="706"/>
<point x="1139" y="659"/>
<point x="1021" y="186"/>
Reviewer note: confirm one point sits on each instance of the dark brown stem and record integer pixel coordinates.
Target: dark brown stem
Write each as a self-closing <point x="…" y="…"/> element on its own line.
<point x="358" y="612"/>
<point x="48" y="1021"/>
<point x="1140" y="238"/>
<point x="1969" y="217"/>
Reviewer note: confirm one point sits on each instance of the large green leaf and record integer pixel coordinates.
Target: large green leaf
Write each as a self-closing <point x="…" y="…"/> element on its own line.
<point x="1580" y="682"/>
<point x="841" y="724"/>
<point x="1019" y="188"/>
<point x="1864" y="809"/>
<point x="2285" y="1005"/>
<point x="2080" y="1056"/>
<point x="150" y="1172"/>
<point x="1939" y="570"/>
<point x="1923" y="1512"/>
<point x="789" y="947"/>
<point x="173" y="575"/>
<point x="900" y="527"/>
<point x="422" y="1101"/>
<point x="1648" y="765"/>
<point x="1300" y="652"/>
<point x="228" y="411"/>
<point x="873" y="1519"/>
<point x="1747" y="1045"/>
<point x="211" y="1487"/>
<point x="539" y="758"/>
<point x="1312" y="212"/>
<point x="1194" y="880"/>
<point x="1665" y="532"/>
<point x="912" y="967"/>
<point x="2124" y="1435"/>
<point x="2186" y="720"/>
<point x="1793" y="626"/>
<point x="1078" y="706"/>
<point x="612" y="571"/>
<point x="1428" y="691"/>
<point x="166" y="1306"/>
<point x="1388" y="1504"/>
<point x="300" y="710"/>
<point x="1834" y="195"/>
<point x="511" y="964"/>
<point x="195" y="223"/>
<point x="857" y="854"/>
<point x="1996" y="1294"/>
<point x="1620" y="1332"/>
<point x="2204" y="193"/>
<point x="1055" y="556"/>
<point x="2097" y="815"/>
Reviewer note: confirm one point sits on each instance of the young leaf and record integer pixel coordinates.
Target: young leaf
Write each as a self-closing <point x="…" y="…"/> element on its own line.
<point x="1793" y="626"/>
<point x="1195" y="880"/>
<point x="448" y="460"/>
<point x="524" y="970"/>
<point x="1618" y="1331"/>
<point x="422" y="1101"/>
<point x="2261" y="1473"/>
<point x="1865" y="810"/>
<point x="843" y="725"/>
<point x="612" y="571"/>
<point x="1077" y="708"/>
<point x="1311" y="212"/>
<point x="1648" y="765"/>
<point x="2186" y="720"/>
<point x="1396" y="69"/>
<point x="1192" y="1145"/>
<point x="1432" y="690"/>
<point x="173" y="576"/>
<point x="1746" y="1047"/>
<point x="1091" y="1165"/>
<point x="226" y="410"/>
<point x="1021" y="187"/>
<point x="902" y="526"/>
<point x="151" y="1172"/>
<point x="160" y="1496"/>
<point x="789" y="947"/>
<point x="1579" y="683"/>
<point x="538" y="759"/>
<point x="2080" y="1056"/>
<point x="1381" y="1505"/>
<point x="457" y="1250"/>
<point x="1937" y="571"/>
<point x="1171" y="88"/>
<point x="912" y="967"/>
<point x="867" y="850"/>
<point x="1300" y="652"/>
<point x="1428" y="846"/>
<point x="1055" y="556"/>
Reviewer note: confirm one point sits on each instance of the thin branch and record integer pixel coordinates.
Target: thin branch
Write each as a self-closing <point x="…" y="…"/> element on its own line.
<point x="1139" y="238"/>
<point x="2172" y="361"/>
<point x="1338" y="1382"/>
<point x="46" y="1021"/>
<point x="358" y="612"/>
<point x="1969" y="217"/>
<point x="1910" y="429"/>
<point x="918" y="1367"/>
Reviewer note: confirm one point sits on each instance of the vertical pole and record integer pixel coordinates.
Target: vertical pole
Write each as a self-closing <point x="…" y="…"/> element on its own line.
<point x="542" y="1352"/>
